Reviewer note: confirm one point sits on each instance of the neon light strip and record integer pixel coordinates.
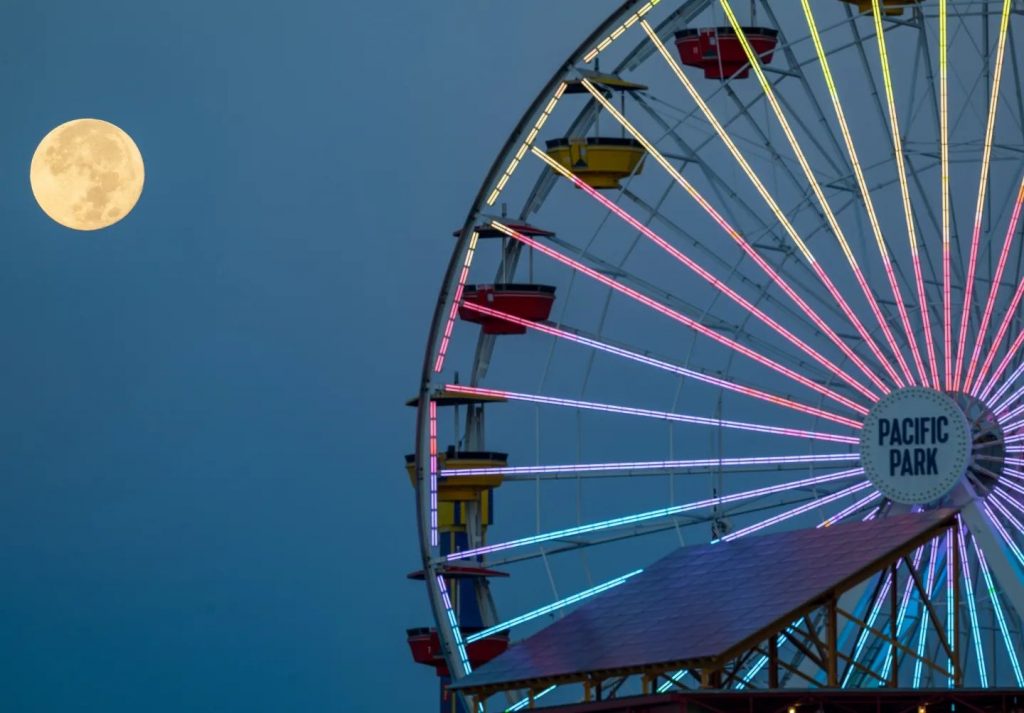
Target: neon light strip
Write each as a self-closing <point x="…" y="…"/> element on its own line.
<point x="682" y="319"/>
<point x="1000" y="407"/>
<point x="947" y="293"/>
<point x="653" y="514"/>
<point x="923" y="631"/>
<point x="994" y="598"/>
<point x="756" y="668"/>
<point x="433" y="473"/>
<point x="993" y="289"/>
<point x="779" y="214"/>
<point x="467" y="262"/>
<point x="665" y="366"/>
<point x="859" y="173"/>
<point x="456" y="632"/>
<point x="521" y="151"/>
<point x="950" y="608"/>
<point x="994" y="347"/>
<point x="812" y="180"/>
<point x="603" y="44"/>
<point x="648" y="413"/>
<point x="710" y="279"/>
<point x="555" y="606"/>
<point x="652" y="465"/>
<point x="798" y="511"/>
<point x="972" y="608"/>
<point x="520" y="705"/>
<point x="862" y="635"/>
<point x="1005" y="362"/>
<point x="1002" y="529"/>
<point x="908" y="212"/>
<point x="902" y="613"/>
<point x="979" y="207"/>
<point x="847" y="511"/>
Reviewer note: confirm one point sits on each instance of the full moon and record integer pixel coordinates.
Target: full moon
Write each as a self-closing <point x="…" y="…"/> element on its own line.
<point x="87" y="174"/>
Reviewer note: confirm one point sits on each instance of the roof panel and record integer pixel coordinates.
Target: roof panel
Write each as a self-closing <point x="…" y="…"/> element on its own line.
<point x="703" y="601"/>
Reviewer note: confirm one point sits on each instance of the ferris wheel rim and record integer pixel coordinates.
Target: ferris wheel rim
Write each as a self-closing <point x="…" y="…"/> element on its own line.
<point x="473" y="218"/>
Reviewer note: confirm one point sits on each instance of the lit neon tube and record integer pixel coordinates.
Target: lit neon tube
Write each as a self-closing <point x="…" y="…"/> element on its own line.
<point x="664" y="366"/>
<point x="658" y="514"/>
<point x="682" y="319"/>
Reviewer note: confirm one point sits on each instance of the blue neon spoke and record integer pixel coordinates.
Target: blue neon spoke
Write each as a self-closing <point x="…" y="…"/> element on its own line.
<point x="994" y="597"/>
<point x="554" y="606"/>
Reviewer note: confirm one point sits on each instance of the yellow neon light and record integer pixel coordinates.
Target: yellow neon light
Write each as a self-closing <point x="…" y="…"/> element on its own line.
<point x="769" y="93"/>
<point x="857" y="170"/>
<point x="537" y="126"/>
<point x="908" y="212"/>
<point x="603" y="44"/>
<point x="982" y="186"/>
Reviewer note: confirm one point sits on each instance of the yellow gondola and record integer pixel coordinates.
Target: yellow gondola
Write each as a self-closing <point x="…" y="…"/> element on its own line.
<point x="599" y="161"/>
<point x="889" y="7"/>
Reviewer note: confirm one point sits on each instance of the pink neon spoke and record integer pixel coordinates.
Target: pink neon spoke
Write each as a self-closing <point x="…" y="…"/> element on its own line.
<point x="1000" y="266"/>
<point x="433" y="473"/>
<point x="1003" y="328"/>
<point x="947" y="315"/>
<point x="682" y="319"/>
<point x="728" y="291"/>
<point x="653" y="514"/>
<point x="653" y="465"/>
<point x="665" y="366"/>
<point x="1004" y="362"/>
<point x="648" y="413"/>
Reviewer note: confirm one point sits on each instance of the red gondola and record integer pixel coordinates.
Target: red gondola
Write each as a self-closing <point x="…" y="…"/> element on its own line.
<point x="523" y="300"/>
<point x="718" y="51"/>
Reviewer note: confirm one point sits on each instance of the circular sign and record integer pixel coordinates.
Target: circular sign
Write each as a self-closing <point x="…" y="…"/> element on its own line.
<point x="915" y="445"/>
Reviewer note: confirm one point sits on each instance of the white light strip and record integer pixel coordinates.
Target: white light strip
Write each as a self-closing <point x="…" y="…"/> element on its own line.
<point x="555" y="606"/>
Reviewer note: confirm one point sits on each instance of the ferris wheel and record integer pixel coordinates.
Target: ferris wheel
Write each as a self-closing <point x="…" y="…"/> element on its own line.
<point x="741" y="268"/>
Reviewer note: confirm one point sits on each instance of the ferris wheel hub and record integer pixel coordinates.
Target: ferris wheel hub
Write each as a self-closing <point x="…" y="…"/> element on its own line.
<point x="916" y="444"/>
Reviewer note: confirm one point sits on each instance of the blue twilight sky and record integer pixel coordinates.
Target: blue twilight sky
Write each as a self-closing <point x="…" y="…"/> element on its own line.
<point x="203" y="506"/>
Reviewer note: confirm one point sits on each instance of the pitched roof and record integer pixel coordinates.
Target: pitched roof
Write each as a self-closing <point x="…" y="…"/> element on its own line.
<point x="707" y="601"/>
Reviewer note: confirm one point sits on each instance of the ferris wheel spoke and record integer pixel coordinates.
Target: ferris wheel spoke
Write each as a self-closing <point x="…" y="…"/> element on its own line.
<point x="908" y="212"/>
<point x="817" y="190"/>
<point x="859" y="175"/>
<point x="715" y="282"/>
<point x="663" y="365"/>
<point x="947" y="293"/>
<point x="908" y="593"/>
<point x="777" y="212"/>
<point x="1001" y="406"/>
<point x="648" y="413"/>
<point x="680" y="318"/>
<point x="651" y="515"/>
<point x="800" y="510"/>
<point x="982" y="190"/>
<point x="930" y="587"/>
<point x="972" y="607"/>
<point x="993" y="290"/>
<point x="993" y="594"/>
<point x="693" y="465"/>
<point x="1013" y="349"/>
<point x="554" y="606"/>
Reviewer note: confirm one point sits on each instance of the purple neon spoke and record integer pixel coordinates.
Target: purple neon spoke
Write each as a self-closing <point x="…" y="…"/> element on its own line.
<point x="680" y="318"/>
<point x="648" y="413"/>
<point x="849" y="510"/>
<point x="664" y="366"/>
<point x="797" y="511"/>
<point x="1005" y="386"/>
<point x="652" y="465"/>
<point x="655" y="514"/>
